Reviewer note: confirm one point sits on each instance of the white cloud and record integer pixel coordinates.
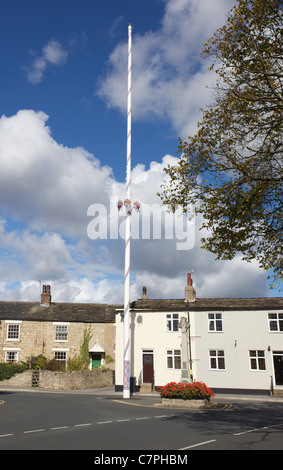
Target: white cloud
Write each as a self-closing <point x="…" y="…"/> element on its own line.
<point x="52" y="54"/>
<point x="169" y="78"/>
<point x="44" y="183"/>
<point x="36" y="254"/>
<point x="47" y="188"/>
<point x="45" y="192"/>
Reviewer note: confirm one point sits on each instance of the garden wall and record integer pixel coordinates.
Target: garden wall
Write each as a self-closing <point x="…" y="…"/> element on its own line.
<point x="68" y="380"/>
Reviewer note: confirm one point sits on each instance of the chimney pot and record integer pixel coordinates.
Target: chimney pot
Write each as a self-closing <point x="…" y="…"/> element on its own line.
<point x="190" y="293"/>
<point x="144" y="293"/>
<point x="46" y="296"/>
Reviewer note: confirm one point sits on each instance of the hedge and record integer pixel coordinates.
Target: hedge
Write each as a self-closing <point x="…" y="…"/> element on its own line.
<point x="8" y="369"/>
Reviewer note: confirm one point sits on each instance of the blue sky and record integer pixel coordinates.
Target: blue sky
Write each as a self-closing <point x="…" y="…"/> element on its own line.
<point x="63" y="133"/>
<point x="87" y="31"/>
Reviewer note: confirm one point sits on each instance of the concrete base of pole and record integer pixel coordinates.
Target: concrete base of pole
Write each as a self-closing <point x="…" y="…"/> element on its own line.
<point x="126" y="394"/>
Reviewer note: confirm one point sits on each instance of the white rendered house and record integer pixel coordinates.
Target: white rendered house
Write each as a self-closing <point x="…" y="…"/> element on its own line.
<point x="232" y="344"/>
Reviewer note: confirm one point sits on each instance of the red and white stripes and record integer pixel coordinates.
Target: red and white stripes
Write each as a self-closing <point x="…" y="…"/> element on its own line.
<point x="127" y="345"/>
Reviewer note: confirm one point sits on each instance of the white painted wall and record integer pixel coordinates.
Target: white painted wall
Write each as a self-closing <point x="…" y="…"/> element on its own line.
<point x="242" y="331"/>
<point x="148" y="332"/>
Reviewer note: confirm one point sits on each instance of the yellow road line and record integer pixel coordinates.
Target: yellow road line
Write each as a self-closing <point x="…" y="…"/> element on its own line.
<point x="133" y="404"/>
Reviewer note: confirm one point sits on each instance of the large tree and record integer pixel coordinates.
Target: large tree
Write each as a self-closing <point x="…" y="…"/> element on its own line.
<point x="231" y="169"/>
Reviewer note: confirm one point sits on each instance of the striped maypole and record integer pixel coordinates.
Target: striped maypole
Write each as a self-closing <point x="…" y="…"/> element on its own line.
<point x="127" y="345"/>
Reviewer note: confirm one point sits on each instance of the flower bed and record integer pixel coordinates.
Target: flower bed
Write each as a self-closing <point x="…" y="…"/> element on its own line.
<point x="186" y="391"/>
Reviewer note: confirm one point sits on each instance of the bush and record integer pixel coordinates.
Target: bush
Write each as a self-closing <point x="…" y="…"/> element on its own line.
<point x="184" y="391"/>
<point x="75" y="363"/>
<point x="81" y="362"/>
<point x="38" y="362"/>
<point x="53" y="365"/>
<point x="8" y="369"/>
<point x="42" y="363"/>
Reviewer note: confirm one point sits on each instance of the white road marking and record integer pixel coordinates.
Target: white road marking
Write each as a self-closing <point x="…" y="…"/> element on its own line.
<point x="59" y="427"/>
<point x="197" y="445"/>
<point x="256" y="429"/>
<point x="34" y="430"/>
<point x="247" y="432"/>
<point x="80" y="425"/>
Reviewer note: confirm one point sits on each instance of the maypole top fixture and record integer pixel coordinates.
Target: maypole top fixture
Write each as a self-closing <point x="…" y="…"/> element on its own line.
<point x="128" y="206"/>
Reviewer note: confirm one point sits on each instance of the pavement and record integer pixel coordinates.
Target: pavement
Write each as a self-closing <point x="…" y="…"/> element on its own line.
<point x="110" y="391"/>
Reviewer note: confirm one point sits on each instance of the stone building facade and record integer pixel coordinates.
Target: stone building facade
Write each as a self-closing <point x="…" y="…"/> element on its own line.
<point x="55" y="330"/>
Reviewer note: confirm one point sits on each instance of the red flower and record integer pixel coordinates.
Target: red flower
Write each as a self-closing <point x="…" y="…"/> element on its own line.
<point x="196" y="390"/>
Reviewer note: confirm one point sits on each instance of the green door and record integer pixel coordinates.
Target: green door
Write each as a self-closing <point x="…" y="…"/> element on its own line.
<point x="96" y="361"/>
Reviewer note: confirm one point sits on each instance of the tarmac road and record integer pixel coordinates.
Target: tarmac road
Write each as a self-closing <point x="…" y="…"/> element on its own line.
<point x="101" y="420"/>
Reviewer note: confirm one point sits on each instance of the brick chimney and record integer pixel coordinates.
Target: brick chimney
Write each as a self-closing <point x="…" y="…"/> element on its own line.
<point x="144" y="293"/>
<point x="46" y="296"/>
<point x="190" y="292"/>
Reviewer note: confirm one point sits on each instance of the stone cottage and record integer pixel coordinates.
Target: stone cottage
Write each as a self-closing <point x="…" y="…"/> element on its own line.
<point x="56" y="330"/>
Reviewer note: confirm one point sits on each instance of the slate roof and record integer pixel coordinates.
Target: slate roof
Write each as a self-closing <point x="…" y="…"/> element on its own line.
<point x="220" y="304"/>
<point x="66" y="312"/>
<point x="104" y="313"/>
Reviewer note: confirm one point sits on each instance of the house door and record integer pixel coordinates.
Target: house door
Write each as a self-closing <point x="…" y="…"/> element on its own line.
<point x="96" y="361"/>
<point x="278" y="367"/>
<point x="147" y="364"/>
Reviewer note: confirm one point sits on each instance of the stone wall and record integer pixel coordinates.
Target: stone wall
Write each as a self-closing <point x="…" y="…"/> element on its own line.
<point x="19" y="380"/>
<point x="69" y="380"/>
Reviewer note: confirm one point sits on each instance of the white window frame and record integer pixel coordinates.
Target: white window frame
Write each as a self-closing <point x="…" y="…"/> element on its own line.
<point x="217" y="356"/>
<point x="14" y="351"/>
<point x="216" y="318"/>
<point x="58" y="326"/>
<point x="277" y="320"/>
<point x="172" y="323"/>
<point x="8" y="332"/>
<point x="257" y="359"/>
<point x="170" y="354"/>
<point x="61" y="351"/>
